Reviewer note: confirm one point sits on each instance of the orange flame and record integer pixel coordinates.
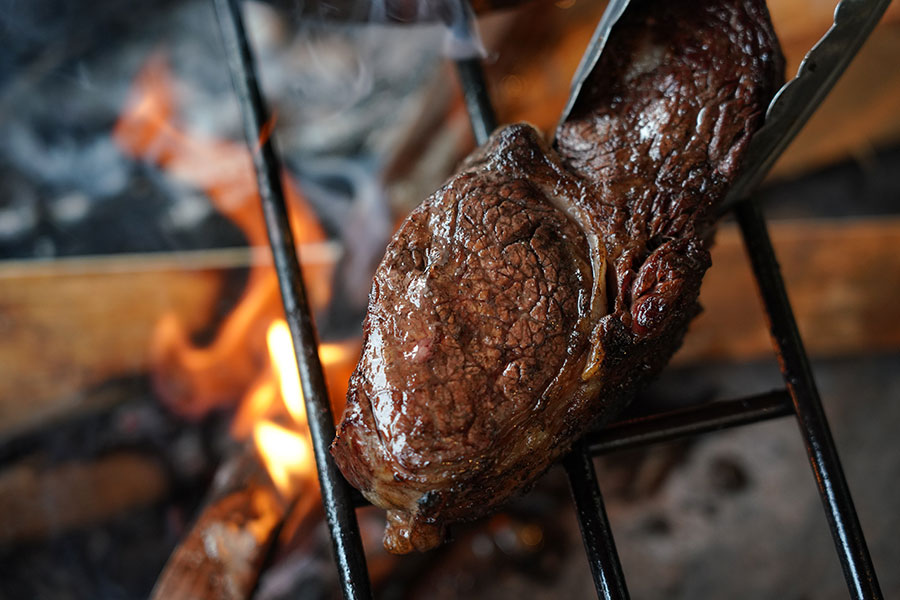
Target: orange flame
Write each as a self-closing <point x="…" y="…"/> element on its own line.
<point x="281" y="351"/>
<point x="287" y="452"/>
<point x="251" y="361"/>
<point x="193" y="380"/>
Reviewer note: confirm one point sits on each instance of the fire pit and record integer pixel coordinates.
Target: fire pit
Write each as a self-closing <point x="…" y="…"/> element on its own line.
<point x="254" y="512"/>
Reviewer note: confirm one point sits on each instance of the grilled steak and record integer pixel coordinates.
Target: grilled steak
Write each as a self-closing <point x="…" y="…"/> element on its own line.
<point x="527" y="299"/>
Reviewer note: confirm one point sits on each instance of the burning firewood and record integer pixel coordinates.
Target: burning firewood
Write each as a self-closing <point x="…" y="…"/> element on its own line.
<point x="222" y="555"/>
<point x="225" y="549"/>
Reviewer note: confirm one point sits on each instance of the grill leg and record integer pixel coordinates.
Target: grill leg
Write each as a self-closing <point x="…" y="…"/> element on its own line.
<point x="594" y="525"/>
<point x="823" y="456"/>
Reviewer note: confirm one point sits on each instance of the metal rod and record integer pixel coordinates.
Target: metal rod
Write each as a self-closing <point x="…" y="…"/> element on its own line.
<point x="336" y="496"/>
<point x="823" y="457"/>
<point x="594" y="524"/>
<point x="478" y="102"/>
<point x="471" y="74"/>
<point x="695" y="420"/>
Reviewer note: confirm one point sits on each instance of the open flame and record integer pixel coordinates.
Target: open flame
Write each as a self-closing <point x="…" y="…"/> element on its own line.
<point x="286" y="453"/>
<point x="286" y="448"/>
<point x="190" y="379"/>
<point x="250" y="363"/>
<point x="281" y="351"/>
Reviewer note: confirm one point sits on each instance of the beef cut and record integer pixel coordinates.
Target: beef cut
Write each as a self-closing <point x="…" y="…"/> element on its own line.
<point x="527" y="299"/>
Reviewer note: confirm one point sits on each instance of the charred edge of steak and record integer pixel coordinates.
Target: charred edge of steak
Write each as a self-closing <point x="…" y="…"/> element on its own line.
<point x="535" y="293"/>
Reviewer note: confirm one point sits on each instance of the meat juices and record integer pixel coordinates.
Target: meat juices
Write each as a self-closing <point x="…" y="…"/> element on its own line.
<point x="528" y="299"/>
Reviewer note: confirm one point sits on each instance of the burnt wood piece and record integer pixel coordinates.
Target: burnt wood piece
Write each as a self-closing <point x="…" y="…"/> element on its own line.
<point x="538" y="289"/>
<point x="223" y="553"/>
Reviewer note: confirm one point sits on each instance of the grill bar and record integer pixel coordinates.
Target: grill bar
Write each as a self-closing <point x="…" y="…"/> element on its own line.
<point x="478" y="102"/>
<point x="677" y="424"/>
<point x="336" y="496"/>
<point x="594" y="524"/>
<point x="463" y="28"/>
<point x="823" y="456"/>
<point x="695" y="420"/>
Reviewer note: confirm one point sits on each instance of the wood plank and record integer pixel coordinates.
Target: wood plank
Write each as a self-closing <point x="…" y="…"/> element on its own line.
<point x="65" y="327"/>
<point x="69" y="324"/>
<point x="842" y="278"/>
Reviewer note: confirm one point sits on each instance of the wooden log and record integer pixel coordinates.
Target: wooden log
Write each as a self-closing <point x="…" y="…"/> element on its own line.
<point x="69" y="324"/>
<point x="223" y="553"/>
<point x="37" y="501"/>
<point x="73" y="323"/>
<point x="842" y="277"/>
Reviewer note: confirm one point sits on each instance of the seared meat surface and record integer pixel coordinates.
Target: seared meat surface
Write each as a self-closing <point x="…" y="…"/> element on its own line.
<point x="527" y="299"/>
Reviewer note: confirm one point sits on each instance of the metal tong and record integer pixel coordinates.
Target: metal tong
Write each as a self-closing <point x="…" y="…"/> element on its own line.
<point x="794" y="103"/>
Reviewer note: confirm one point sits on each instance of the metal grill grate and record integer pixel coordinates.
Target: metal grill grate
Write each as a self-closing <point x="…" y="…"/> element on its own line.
<point x="800" y="396"/>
